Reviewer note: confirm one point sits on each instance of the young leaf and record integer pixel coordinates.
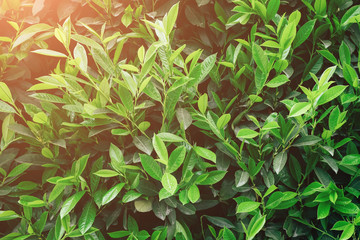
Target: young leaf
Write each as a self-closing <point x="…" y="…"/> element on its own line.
<point x="205" y="153"/>
<point x="246" y="133"/>
<point x="87" y="217"/>
<point x="203" y="103"/>
<point x="160" y="148"/>
<point x="351" y="159"/>
<point x="260" y="58"/>
<point x="279" y="161"/>
<point x="70" y="203"/>
<point x="50" y="53"/>
<point x="331" y="94"/>
<point x="184" y="117"/>
<point x="151" y="167"/>
<point x="176" y="159"/>
<point x="193" y="193"/>
<point x="271" y="9"/>
<point x="304" y="32"/>
<point x="299" y="109"/>
<point x="5" y="93"/>
<point x="117" y="158"/>
<point x="247" y="206"/>
<point x="8" y="215"/>
<point x="277" y="81"/>
<point x="171" y="18"/>
<point x="112" y="193"/>
<point x="169" y="182"/>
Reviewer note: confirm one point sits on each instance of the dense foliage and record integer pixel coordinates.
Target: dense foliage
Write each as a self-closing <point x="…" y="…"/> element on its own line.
<point x="196" y="119"/>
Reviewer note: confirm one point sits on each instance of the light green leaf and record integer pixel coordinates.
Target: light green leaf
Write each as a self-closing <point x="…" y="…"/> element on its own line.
<point x="169" y="182"/>
<point x="160" y="148"/>
<point x="277" y="81"/>
<point x="351" y="159"/>
<point x="193" y="193"/>
<point x="260" y="58"/>
<point x="304" y="33"/>
<point x="258" y="225"/>
<point x="144" y="144"/>
<point x="117" y="158"/>
<point x="112" y="193"/>
<point x="279" y="161"/>
<point x="223" y="120"/>
<point x="50" y="53"/>
<point x="106" y="173"/>
<point x="176" y="159"/>
<point x="246" y="133"/>
<point x="80" y="52"/>
<point x="151" y="166"/>
<point x="31" y="201"/>
<point x="6" y="108"/>
<point x="205" y="153"/>
<point x="5" y="93"/>
<point x="70" y="203"/>
<point x="299" y="109"/>
<point x="184" y="117"/>
<point x="170" y="137"/>
<point x="171" y="18"/>
<point x="331" y="94"/>
<point x="203" y="103"/>
<point x="87" y="217"/>
<point x="8" y="215"/>
<point x="19" y="169"/>
<point x="247" y="206"/>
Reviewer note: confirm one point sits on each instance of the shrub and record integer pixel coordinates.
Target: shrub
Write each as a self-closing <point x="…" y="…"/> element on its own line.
<point x="166" y="120"/>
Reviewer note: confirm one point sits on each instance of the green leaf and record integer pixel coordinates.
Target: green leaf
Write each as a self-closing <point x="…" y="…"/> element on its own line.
<point x="184" y="117"/>
<point x="8" y="215"/>
<point x="329" y="56"/>
<point x="80" y="53"/>
<point x="112" y="193"/>
<point x="117" y="158"/>
<point x="277" y="81"/>
<point x="106" y="173"/>
<point x="304" y="32"/>
<point x="5" y="94"/>
<point x="19" y="169"/>
<point x="348" y="232"/>
<point x="203" y="103"/>
<point x="169" y="182"/>
<point x="206" y="67"/>
<point x="351" y="16"/>
<point x="280" y="161"/>
<point x="246" y="133"/>
<point x="223" y="121"/>
<point x="193" y="193"/>
<point x="271" y="9"/>
<point x="6" y="108"/>
<point x="205" y="153"/>
<point x="260" y="58"/>
<point x="170" y="137"/>
<point x="87" y="217"/>
<point x="331" y="94"/>
<point x="247" y="206"/>
<point x="151" y="167"/>
<point x="176" y="159"/>
<point x="351" y="159"/>
<point x="50" y="53"/>
<point x="160" y="148"/>
<point x="144" y="144"/>
<point x="143" y="205"/>
<point x="344" y="54"/>
<point x="213" y="177"/>
<point x="308" y="140"/>
<point x="70" y="203"/>
<point x="312" y="188"/>
<point x="103" y="60"/>
<point x="220" y="221"/>
<point x="31" y="201"/>
<point x="320" y="7"/>
<point x="119" y="234"/>
<point x="323" y="210"/>
<point x="327" y="74"/>
<point x="299" y="109"/>
<point x="340" y="225"/>
<point x="130" y="196"/>
<point x="171" y="18"/>
<point x="256" y="227"/>
<point x="228" y="234"/>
